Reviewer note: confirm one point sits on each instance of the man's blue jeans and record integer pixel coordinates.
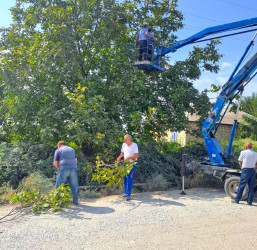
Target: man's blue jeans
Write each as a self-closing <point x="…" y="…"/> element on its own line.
<point x="128" y="181"/>
<point x="72" y="174"/>
<point x="248" y="176"/>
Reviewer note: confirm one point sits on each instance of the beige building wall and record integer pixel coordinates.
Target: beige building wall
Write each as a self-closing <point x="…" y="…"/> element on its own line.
<point x="184" y="138"/>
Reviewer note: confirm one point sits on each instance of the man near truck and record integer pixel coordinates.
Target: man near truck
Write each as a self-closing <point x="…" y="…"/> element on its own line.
<point x="248" y="163"/>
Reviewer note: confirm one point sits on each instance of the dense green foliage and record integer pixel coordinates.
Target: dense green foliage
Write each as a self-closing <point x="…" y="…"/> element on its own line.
<point x="239" y="144"/>
<point x="18" y="162"/>
<point x="165" y="159"/>
<point x="67" y="73"/>
<point x="249" y="127"/>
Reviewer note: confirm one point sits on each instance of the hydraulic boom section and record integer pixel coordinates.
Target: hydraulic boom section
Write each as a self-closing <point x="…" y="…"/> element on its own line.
<point x="229" y="91"/>
<point x="198" y="37"/>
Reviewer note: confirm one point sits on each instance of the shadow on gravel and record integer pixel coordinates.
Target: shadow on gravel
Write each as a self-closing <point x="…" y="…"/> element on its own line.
<point x="139" y="199"/>
<point x="95" y="210"/>
<point x="78" y="212"/>
<point x="207" y="194"/>
<point x="158" y="202"/>
<point x="16" y="213"/>
<point x="197" y="194"/>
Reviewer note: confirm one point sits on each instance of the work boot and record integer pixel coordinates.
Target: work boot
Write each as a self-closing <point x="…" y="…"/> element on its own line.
<point x="234" y="201"/>
<point x="128" y="198"/>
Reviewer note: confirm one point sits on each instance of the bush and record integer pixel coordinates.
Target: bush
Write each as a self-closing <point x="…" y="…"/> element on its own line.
<point x="36" y="182"/>
<point x="6" y="192"/>
<point x="85" y="171"/>
<point x="164" y="158"/>
<point x="17" y="161"/>
<point x="153" y="161"/>
<point x="238" y="146"/>
<point x="203" y="180"/>
<point x="157" y="183"/>
<point x="89" y="194"/>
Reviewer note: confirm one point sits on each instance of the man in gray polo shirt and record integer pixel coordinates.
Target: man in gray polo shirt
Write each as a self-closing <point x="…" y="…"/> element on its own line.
<point x="248" y="163"/>
<point x="65" y="160"/>
<point x="142" y="38"/>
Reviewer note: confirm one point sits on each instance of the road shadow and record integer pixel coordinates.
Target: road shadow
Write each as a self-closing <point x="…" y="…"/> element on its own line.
<point x="207" y="194"/>
<point x="196" y="194"/>
<point x="16" y="214"/>
<point x="80" y="211"/>
<point x="148" y="198"/>
<point x="157" y="201"/>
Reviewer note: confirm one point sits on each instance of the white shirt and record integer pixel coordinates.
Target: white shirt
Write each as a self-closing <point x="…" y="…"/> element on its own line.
<point x="129" y="151"/>
<point x="248" y="158"/>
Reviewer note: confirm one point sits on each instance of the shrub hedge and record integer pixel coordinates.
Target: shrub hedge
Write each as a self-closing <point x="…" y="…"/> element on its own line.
<point x="18" y="161"/>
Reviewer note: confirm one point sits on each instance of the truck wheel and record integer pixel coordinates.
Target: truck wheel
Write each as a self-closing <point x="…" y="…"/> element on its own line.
<point x="231" y="186"/>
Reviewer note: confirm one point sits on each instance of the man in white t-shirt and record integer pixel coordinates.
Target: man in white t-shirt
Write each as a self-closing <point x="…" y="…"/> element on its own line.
<point x="129" y="151"/>
<point x="248" y="163"/>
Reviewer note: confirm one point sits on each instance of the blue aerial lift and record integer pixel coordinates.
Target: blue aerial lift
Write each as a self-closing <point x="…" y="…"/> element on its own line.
<point x="161" y="51"/>
<point x="219" y="161"/>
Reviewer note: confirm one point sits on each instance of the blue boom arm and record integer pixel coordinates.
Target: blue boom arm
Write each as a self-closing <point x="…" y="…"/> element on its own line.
<point x="230" y="90"/>
<point x="162" y="51"/>
<point x="210" y="31"/>
<point x="198" y="37"/>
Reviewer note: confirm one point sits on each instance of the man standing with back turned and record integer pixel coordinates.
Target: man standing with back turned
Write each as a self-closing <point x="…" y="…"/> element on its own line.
<point x="248" y="163"/>
<point x="65" y="160"/>
<point x="129" y="151"/>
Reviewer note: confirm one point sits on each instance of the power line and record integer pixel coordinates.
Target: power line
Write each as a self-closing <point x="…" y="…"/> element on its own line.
<point x="213" y="20"/>
<point x="205" y="18"/>
<point x="239" y="5"/>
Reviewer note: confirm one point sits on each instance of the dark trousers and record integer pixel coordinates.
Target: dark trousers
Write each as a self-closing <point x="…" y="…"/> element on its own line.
<point x="150" y="52"/>
<point x="248" y="176"/>
<point x="128" y="181"/>
<point x="142" y="50"/>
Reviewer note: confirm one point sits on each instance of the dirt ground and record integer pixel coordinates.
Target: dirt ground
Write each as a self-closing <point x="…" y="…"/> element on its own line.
<point x="201" y="219"/>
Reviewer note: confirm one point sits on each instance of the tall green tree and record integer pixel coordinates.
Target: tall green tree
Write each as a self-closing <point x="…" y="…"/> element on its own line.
<point x="248" y="128"/>
<point x="67" y="73"/>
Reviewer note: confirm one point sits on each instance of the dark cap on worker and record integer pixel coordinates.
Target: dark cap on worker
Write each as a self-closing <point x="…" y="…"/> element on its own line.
<point x="146" y="25"/>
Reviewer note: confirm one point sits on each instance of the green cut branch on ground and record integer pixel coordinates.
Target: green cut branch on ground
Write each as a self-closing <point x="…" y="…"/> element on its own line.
<point x="57" y="198"/>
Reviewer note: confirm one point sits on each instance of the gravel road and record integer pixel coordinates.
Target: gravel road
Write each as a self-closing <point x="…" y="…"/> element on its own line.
<point x="202" y="219"/>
